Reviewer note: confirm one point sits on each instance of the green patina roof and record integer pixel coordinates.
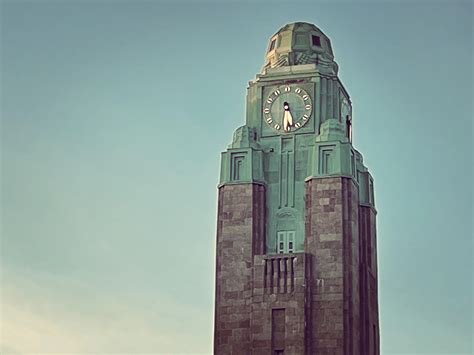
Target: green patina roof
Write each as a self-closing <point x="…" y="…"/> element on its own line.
<point x="299" y="43"/>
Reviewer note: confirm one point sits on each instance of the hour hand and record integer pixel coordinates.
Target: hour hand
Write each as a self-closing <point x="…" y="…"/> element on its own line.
<point x="287" y="117"/>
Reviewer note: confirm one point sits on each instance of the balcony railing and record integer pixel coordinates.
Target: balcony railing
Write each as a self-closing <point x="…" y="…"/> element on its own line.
<point x="281" y="271"/>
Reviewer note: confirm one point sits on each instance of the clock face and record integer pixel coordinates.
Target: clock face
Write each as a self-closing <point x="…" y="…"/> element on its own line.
<point x="287" y="108"/>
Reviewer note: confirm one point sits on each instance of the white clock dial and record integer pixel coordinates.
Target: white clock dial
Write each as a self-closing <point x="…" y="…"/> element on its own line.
<point x="287" y="108"/>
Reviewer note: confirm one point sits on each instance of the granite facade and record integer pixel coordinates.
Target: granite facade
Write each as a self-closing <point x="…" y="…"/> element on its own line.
<point x="240" y="236"/>
<point x="332" y="237"/>
<point x="280" y="284"/>
<point x="320" y="301"/>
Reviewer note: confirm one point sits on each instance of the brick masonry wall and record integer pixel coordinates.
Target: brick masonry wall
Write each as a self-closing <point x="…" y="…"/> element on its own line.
<point x="331" y="225"/>
<point x="240" y="235"/>
<point x="328" y="293"/>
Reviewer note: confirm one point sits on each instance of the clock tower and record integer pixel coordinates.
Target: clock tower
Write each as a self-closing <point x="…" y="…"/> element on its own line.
<point x="296" y="261"/>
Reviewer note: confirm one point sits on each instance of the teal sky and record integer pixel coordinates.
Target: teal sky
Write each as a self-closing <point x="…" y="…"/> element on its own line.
<point x="113" y="117"/>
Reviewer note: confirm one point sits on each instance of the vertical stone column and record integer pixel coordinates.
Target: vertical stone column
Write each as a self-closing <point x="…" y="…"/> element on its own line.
<point x="369" y="321"/>
<point x="240" y="235"/>
<point x="331" y="224"/>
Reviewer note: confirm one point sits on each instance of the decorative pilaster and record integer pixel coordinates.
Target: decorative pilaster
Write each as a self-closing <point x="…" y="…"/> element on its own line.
<point x="240" y="236"/>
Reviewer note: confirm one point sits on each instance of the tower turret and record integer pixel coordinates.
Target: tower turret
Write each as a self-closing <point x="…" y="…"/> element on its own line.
<point x="296" y="264"/>
<point x="300" y="43"/>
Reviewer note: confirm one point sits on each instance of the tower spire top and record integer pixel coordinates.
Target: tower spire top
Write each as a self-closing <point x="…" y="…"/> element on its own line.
<point x="299" y="43"/>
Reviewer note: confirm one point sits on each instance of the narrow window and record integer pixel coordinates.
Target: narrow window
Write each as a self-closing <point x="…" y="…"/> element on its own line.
<point x="316" y="40"/>
<point x="327" y="162"/>
<point x="278" y="330"/>
<point x="281" y="242"/>
<point x="325" y="159"/>
<point x="291" y="241"/>
<point x="237" y="168"/>
<point x="285" y="242"/>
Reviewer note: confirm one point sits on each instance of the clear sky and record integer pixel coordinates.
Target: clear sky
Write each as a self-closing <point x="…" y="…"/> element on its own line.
<point x="114" y="114"/>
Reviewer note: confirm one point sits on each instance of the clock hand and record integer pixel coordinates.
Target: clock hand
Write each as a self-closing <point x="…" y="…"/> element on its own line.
<point x="287" y="117"/>
<point x="290" y="118"/>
